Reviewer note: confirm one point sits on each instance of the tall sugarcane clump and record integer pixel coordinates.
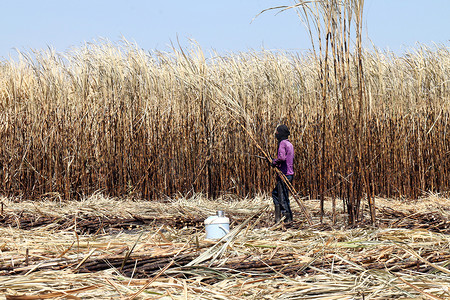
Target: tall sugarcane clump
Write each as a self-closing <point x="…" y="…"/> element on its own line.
<point x="115" y="119"/>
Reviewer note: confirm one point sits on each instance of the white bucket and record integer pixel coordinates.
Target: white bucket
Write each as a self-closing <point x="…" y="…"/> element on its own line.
<point x="217" y="226"/>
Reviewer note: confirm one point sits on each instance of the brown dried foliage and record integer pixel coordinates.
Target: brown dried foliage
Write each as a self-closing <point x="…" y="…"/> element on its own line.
<point x="116" y="119"/>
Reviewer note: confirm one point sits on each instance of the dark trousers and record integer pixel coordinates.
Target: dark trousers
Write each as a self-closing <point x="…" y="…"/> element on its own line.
<point x="280" y="195"/>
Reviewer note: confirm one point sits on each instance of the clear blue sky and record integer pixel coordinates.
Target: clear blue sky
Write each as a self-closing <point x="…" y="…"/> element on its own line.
<point x="222" y="25"/>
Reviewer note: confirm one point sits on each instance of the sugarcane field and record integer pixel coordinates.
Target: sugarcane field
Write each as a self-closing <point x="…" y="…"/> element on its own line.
<point x="136" y="174"/>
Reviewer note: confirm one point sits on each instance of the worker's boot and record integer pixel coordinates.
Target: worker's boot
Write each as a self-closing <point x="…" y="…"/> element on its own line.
<point x="277" y="214"/>
<point x="287" y="217"/>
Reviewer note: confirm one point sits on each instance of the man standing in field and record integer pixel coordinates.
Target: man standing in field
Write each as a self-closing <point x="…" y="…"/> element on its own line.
<point x="285" y="163"/>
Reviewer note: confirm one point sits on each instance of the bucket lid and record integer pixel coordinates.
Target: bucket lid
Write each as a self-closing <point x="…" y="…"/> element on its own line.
<point x="217" y="220"/>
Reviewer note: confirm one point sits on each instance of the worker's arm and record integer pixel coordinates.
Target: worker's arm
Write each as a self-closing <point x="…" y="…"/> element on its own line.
<point x="281" y="155"/>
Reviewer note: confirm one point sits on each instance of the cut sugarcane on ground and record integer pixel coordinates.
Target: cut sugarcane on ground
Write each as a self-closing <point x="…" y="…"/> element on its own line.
<point x="103" y="248"/>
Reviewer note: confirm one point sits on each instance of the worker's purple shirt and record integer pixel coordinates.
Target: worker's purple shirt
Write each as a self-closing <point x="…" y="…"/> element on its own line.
<point x="285" y="159"/>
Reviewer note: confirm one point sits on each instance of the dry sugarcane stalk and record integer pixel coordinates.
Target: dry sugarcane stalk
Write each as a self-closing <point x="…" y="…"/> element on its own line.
<point x="66" y="293"/>
<point x="151" y="281"/>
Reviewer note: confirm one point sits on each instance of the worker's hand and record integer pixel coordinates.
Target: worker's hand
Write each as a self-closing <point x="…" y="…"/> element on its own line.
<point x="273" y="164"/>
